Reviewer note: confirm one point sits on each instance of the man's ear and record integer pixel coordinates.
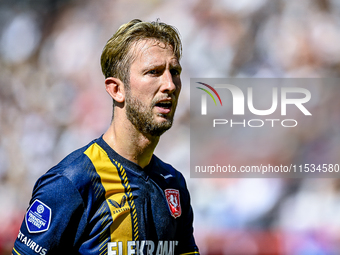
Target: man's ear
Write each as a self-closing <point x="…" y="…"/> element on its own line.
<point x="115" y="88"/>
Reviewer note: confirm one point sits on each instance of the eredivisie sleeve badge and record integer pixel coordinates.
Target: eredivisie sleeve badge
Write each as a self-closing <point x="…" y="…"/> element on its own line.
<point x="172" y="197"/>
<point x="38" y="217"/>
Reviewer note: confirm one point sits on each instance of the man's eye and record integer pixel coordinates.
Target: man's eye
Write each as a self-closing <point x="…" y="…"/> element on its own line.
<point x="152" y="72"/>
<point x="174" y="72"/>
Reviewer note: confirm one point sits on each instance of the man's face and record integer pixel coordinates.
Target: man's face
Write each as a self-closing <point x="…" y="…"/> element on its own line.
<point x="154" y="87"/>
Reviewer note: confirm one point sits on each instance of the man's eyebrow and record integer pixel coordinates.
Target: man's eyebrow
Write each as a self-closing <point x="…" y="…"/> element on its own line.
<point x="152" y="66"/>
<point x="176" y="65"/>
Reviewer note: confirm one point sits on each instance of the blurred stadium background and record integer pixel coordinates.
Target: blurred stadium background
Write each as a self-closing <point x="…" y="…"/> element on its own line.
<point x="52" y="101"/>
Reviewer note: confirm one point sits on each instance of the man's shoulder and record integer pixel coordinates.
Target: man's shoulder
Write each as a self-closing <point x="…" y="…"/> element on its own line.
<point x="163" y="165"/>
<point x="73" y="162"/>
<point x="76" y="169"/>
<point x="166" y="169"/>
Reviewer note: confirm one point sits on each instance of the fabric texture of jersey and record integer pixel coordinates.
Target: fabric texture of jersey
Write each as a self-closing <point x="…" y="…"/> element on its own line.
<point x="97" y="202"/>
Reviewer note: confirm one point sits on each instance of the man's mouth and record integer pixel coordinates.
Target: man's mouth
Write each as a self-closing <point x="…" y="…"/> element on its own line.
<point x="164" y="106"/>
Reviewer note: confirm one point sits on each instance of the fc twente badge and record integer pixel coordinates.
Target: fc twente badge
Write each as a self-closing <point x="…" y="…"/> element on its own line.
<point x="172" y="197"/>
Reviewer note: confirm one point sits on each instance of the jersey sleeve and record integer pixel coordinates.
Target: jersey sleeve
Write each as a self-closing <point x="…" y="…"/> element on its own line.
<point x="55" y="219"/>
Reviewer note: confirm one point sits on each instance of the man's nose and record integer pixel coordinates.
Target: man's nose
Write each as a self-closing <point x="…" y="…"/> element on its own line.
<point x="168" y="84"/>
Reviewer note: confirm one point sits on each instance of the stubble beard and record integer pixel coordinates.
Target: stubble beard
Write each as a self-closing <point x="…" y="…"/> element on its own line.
<point x="141" y="116"/>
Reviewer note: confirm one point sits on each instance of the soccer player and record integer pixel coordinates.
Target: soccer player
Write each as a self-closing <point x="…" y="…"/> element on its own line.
<point x="114" y="196"/>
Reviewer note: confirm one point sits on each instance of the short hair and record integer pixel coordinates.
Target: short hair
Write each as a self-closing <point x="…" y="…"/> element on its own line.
<point x="116" y="57"/>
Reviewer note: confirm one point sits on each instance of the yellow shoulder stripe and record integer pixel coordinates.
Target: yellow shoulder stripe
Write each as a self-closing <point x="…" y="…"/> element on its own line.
<point x="115" y="194"/>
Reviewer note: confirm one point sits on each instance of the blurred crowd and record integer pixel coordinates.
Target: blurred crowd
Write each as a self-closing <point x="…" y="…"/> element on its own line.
<point x="52" y="101"/>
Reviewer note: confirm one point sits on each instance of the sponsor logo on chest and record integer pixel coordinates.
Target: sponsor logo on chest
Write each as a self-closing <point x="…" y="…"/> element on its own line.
<point x="142" y="247"/>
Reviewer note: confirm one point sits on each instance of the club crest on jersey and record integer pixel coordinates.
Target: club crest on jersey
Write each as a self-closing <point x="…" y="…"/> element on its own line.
<point x="38" y="217"/>
<point x="172" y="197"/>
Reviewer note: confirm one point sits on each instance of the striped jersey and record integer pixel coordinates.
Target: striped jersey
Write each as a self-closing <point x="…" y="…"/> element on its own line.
<point x="97" y="202"/>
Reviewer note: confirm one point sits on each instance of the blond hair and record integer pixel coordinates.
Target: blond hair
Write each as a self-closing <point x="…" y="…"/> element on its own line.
<point x="116" y="57"/>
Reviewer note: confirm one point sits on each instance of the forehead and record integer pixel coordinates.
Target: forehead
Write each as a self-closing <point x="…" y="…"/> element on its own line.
<point x="151" y="50"/>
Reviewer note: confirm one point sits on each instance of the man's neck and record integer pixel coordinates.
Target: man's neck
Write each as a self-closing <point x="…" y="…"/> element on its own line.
<point x="128" y="142"/>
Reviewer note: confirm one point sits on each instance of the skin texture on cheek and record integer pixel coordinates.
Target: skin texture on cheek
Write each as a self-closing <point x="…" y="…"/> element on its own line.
<point x="141" y="116"/>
